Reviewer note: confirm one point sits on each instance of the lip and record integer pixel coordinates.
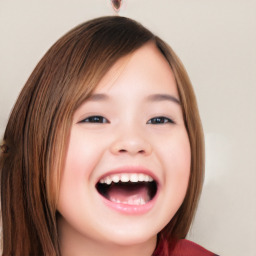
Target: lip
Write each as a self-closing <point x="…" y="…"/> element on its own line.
<point x="127" y="208"/>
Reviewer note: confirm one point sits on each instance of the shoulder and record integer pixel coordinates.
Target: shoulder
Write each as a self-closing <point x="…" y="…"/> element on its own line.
<point x="185" y="247"/>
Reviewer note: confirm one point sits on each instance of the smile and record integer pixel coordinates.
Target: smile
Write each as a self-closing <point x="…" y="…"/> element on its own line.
<point x="129" y="192"/>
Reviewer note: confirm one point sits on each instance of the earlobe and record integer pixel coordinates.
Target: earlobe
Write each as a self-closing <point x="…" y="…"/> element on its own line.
<point x="4" y="149"/>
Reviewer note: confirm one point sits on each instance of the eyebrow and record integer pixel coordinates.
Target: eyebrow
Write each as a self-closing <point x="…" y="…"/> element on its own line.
<point x="153" y="97"/>
<point x="98" y="97"/>
<point x="163" y="97"/>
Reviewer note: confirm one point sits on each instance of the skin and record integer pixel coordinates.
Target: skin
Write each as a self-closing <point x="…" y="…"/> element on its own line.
<point x="127" y="136"/>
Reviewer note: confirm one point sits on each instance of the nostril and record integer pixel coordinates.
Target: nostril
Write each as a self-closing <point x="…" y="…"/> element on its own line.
<point x="131" y="146"/>
<point x="125" y="151"/>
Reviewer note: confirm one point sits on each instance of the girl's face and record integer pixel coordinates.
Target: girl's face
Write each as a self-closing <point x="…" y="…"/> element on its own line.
<point x="128" y="160"/>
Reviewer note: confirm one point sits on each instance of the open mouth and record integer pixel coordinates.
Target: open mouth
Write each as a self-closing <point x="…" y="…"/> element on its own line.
<point x="128" y="188"/>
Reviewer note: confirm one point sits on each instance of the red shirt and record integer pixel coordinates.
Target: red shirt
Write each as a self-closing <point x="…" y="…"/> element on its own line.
<point x="188" y="248"/>
<point x="183" y="247"/>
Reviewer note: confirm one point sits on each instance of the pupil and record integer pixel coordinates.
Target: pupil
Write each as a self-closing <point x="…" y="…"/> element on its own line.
<point x="96" y="119"/>
<point x="159" y="120"/>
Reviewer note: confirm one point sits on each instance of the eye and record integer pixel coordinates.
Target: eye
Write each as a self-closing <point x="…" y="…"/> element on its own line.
<point x="160" y="120"/>
<point x="95" y="119"/>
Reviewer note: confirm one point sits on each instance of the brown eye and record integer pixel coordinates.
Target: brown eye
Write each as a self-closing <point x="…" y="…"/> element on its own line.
<point x="160" y="120"/>
<point x="95" y="119"/>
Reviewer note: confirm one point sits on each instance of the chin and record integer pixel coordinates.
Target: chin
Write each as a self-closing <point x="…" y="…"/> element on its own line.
<point x="132" y="239"/>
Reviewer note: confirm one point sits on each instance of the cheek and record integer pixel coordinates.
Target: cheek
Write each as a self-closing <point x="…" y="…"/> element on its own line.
<point x="175" y="153"/>
<point x="82" y="156"/>
<point x="83" y="153"/>
<point x="177" y="162"/>
<point x="75" y="184"/>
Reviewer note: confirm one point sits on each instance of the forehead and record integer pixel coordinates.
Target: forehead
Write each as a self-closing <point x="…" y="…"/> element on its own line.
<point x="146" y="68"/>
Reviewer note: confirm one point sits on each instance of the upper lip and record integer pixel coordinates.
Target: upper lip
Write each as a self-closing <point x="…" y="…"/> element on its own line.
<point x="130" y="169"/>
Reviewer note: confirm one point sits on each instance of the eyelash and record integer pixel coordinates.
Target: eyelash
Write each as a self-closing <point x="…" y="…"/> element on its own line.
<point x="102" y="120"/>
<point x="160" y="120"/>
<point x="95" y="119"/>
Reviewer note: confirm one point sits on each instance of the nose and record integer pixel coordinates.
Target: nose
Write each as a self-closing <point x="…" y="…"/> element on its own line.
<point x="131" y="143"/>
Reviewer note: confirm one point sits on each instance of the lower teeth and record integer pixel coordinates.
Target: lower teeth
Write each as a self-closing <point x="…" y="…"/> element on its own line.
<point x="137" y="201"/>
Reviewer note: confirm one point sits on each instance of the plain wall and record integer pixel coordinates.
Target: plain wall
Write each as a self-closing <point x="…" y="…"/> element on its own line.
<point x="216" y="40"/>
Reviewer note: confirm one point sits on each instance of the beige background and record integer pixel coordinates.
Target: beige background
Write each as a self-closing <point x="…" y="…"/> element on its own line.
<point x="216" y="41"/>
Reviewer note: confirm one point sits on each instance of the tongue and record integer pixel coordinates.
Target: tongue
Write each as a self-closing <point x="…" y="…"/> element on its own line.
<point x="133" y="194"/>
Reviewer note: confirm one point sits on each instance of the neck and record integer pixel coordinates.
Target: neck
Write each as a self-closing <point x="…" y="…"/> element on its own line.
<point x="73" y="243"/>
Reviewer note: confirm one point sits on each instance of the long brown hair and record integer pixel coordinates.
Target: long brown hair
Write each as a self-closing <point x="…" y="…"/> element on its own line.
<point x="37" y="134"/>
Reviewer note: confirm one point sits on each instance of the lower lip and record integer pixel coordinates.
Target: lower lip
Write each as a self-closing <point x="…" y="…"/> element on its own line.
<point x="130" y="209"/>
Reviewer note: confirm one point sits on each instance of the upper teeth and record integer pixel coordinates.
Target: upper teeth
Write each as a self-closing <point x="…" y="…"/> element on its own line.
<point x="126" y="177"/>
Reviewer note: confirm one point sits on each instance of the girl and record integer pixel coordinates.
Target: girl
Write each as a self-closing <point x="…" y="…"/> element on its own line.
<point x="103" y="152"/>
